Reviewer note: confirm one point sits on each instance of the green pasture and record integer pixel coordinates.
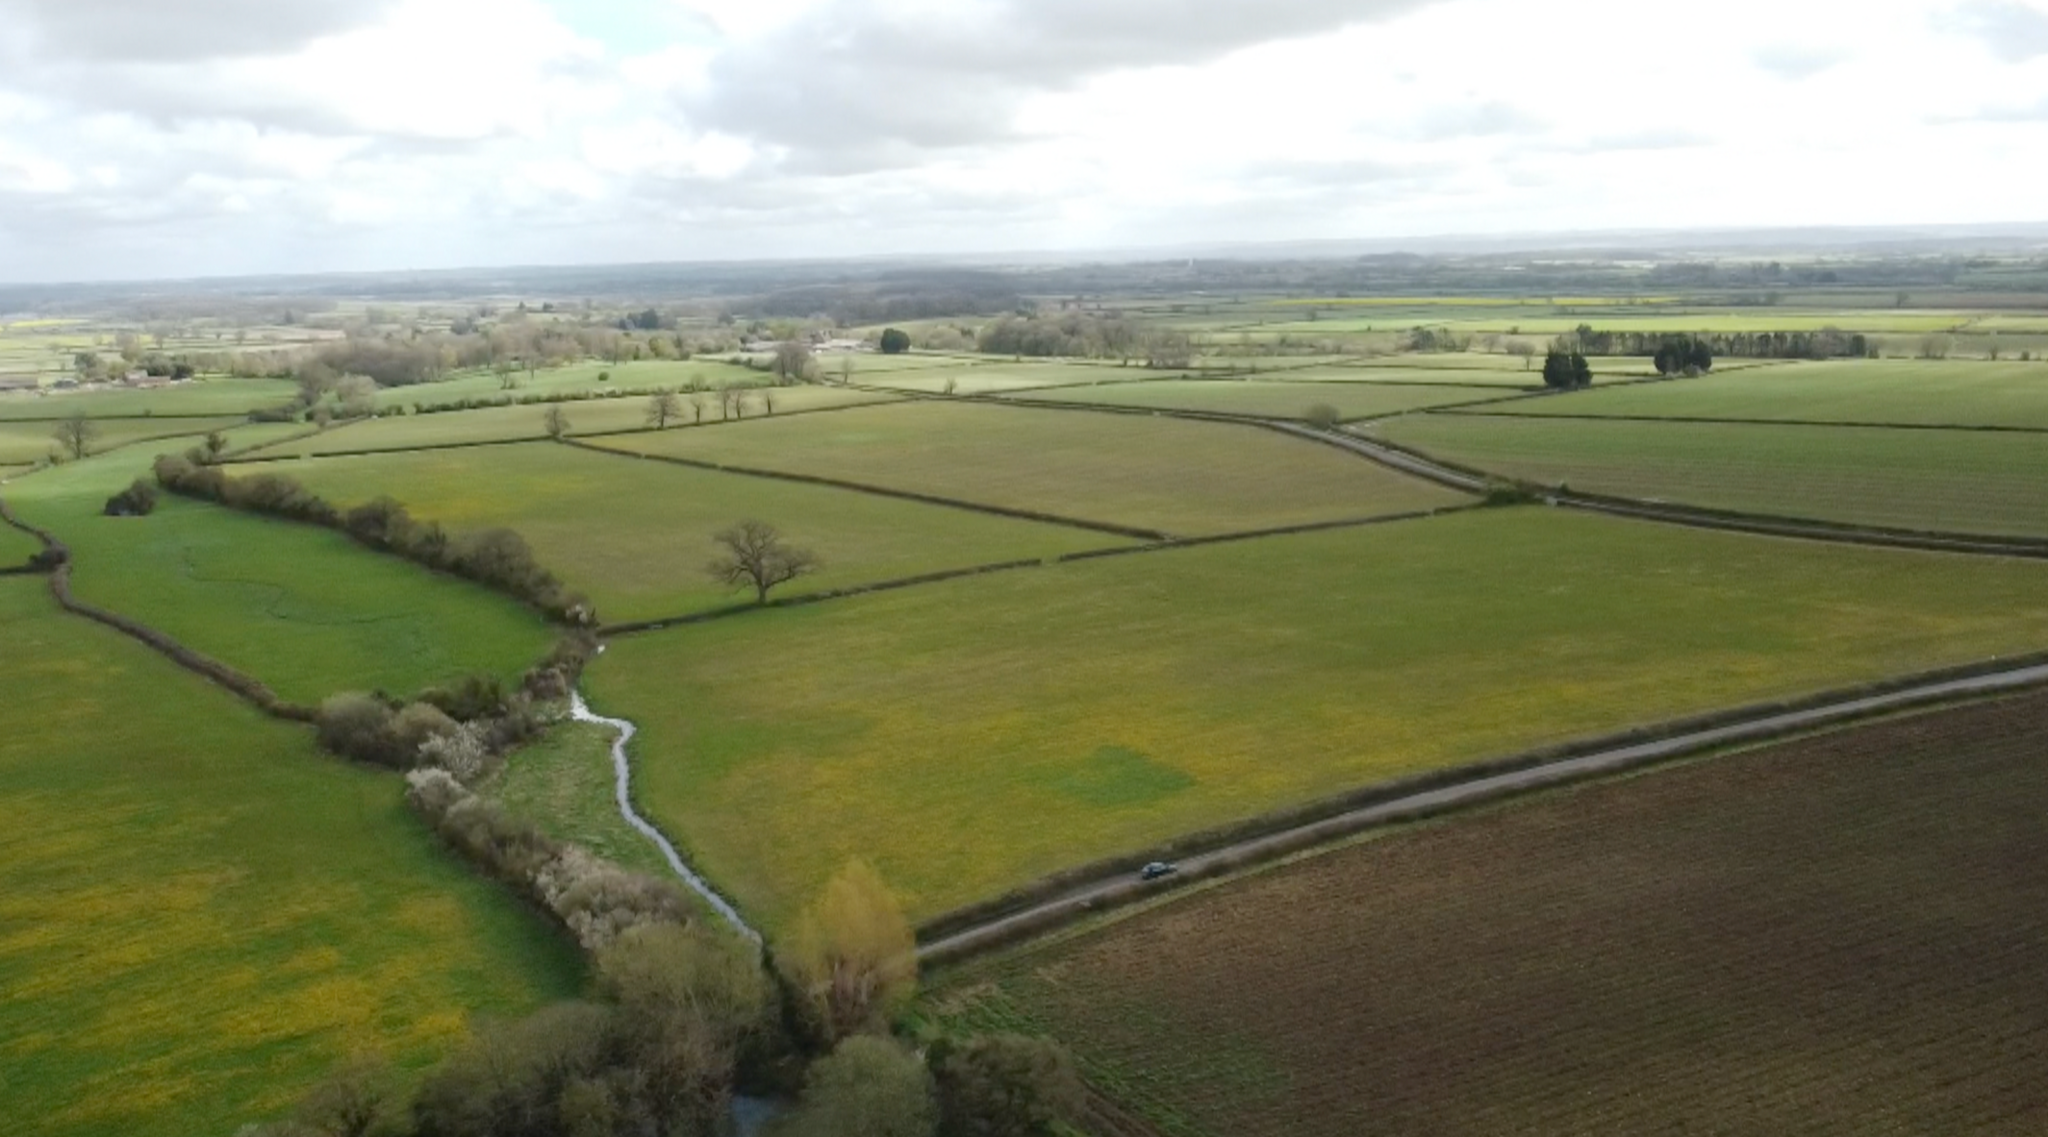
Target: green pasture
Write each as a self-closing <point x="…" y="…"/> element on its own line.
<point x="27" y="442"/>
<point x="303" y="609"/>
<point x="203" y="915"/>
<point x="635" y="535"/>
<point x="1179" y="477"/>
<point x="564" y="784"/>
<point x="218" y="396"/>
<point x="992" y="375"/>
<point x="1550" y="322"/>
<point x="1922" y="392"/>
<point x="1270" y="399"/>
<point x="971" y="736"/>
<point x="573" y="378"/>
<point x="1955" y="481"/>
<point x="16" y="547"/>
<point x="586" y="416"/>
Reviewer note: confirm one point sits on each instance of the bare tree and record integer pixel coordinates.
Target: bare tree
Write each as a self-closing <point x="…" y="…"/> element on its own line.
<point x="755" y="554"/>
<point x="76" y="435"/>
<point x="697" y="402"/>
<point x="1524" y="349"/>
<point x="557" y="422"/>
<point x="216" y="445"/>
<point x="792" y="361"/>
<point x="768" y="399"/>
<point x="663" y="407"/>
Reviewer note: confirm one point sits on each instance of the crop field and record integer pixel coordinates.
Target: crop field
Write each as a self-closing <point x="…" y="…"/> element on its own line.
<point x="1184" y="478"/>
<point x="971" y="736"/>
<point x="27" y="442"/>
<point x="1951" y="481"/>
<point x="1838" y="935"/>
<point x="204" y="916"/>
<point x="573" y="378"/>
<point x="635" y="535"/>
<point x="505" y="424"/>
<point x="1911" y="392"/>
<point x="1678" y="320"/>
<point x="201" y="397"/>
<point x="1270" y="399"/>
<point x="302" y="609"/>
<point x="996" y="374"/>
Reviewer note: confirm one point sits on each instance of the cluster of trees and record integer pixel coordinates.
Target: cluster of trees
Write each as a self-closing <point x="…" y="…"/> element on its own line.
<point x="496" y="558"/>
<point x="918" y="295"/>
<point x="682" y="1019"/>
<point x="1565" y="369"/>
<point x="1685" y="355"/>
<point x="895" y="341"/>
<point x="1086" y="336"/>
<point x="1827" y="343"/>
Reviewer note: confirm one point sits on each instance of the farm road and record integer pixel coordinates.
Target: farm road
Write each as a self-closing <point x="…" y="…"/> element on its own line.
<point x="1120" y="888"/>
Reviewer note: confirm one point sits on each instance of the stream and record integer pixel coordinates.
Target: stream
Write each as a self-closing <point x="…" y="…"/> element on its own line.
<point x="623" y="767"/>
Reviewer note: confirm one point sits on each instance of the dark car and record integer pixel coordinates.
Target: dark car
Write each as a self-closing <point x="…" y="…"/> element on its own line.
<point x="1157" y="869"/>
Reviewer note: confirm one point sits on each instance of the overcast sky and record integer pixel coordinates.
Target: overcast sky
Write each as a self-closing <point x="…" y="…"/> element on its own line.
<point x="149" y="138"/>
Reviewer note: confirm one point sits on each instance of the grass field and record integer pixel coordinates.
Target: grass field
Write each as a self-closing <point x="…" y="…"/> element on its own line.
<point x="16" y="546"/>
<point x="635" y="535"/>
<point x="301" y="608"/>
<point x="1957" y="481"/>
<point x="28" y="442"/>
<point x="573" y="377"/>
<point x="1674" y="320"/>
<point x="498" y="424"/>
<point x="1271" y="399"/>
<point x="970" y="736"/>
<point x="1832" y="936"/>
<point x="203" y="916"/>
<point x="1185" y="478"/>
<point x="996" y="374"/>
<point x="563" y="783"/>
<point x="223" y="397"/>
<point x="1960" y="393"/>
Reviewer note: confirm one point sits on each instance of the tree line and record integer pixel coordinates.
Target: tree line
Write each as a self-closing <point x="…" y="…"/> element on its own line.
<point x="1827" y="343"/>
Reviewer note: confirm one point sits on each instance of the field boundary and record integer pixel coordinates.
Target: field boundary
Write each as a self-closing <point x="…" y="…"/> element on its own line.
<point x="881" y="491"/>
<point x="206" y="667"/>
<point x="523" y="440"/>
<point x="1708" y="517"/>
<point x="639" y="627"/>
<point x="1077" y="894"/>
<point x="1709" y="420"/>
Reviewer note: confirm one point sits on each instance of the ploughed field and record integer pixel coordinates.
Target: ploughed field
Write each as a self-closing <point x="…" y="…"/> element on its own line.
<point x="1177" y="477"/>
<point x="1838" y="935"/>
<point x="971" y="736"/>
<point x="1943" y="480"/>
<point x="205" y="916"/>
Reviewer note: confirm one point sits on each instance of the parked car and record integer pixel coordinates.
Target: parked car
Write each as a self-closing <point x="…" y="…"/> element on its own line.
<point x="1157" y="869"/>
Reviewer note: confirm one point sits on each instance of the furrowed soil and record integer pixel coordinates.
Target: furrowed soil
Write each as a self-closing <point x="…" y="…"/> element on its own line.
<point x="1840" y="934"/>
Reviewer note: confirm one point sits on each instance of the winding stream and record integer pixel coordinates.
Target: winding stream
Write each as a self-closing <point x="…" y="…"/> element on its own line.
<point x="581" y="712"/>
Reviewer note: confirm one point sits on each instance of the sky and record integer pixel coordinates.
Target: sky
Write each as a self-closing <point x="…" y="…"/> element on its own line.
<point x="148" y="139"/>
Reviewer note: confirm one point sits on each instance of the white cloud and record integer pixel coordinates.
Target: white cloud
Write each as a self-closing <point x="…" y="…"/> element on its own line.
<point x="279" y="135"/>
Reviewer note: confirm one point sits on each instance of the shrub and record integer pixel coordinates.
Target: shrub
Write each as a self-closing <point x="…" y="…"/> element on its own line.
<point x="868" y="1086"/>
<point x="472" y="697"/>
<point x="1323" y="416"/>
<point x="359" y="726"/>
<point x="1005" y="1085"/>
<point x="138" y="500"/>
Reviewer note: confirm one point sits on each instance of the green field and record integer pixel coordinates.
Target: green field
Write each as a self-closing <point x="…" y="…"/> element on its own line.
<point x="1548" y="322"/>
<point x="971" y="736"/>
<point x="16" y="546"/>
<point x="501" y="424"/>
<point x="303" y="609"/>
<point x="29" y="442"/>
<point x="635" y="535"/>
<point x="563" y="783"/>
<point x="1837" y="935"/>
<point x="574" y="377"/>
<point x="990" y="375"/>
<point x="1185" y="478"/>
<point x="200" y="397"/>
<point x="203" y="916"/>
<point x="1958" y="393"/>
<point x="1270" y="399"/>
<point x="1954" y="481"/>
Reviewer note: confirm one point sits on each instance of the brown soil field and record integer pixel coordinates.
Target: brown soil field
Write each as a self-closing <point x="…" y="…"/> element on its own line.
<point x="1843" y="934"/>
